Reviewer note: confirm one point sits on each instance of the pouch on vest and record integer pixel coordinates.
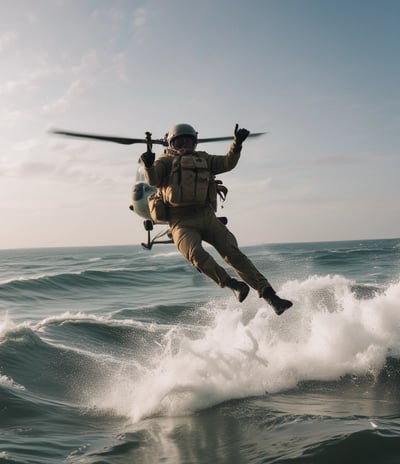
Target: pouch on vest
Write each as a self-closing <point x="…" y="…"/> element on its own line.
<point x="157" y="208"/>
<point x="189" y="181"/>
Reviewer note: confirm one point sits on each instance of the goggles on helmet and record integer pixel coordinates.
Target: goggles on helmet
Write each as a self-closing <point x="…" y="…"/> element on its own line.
<point x="186" y="142"/>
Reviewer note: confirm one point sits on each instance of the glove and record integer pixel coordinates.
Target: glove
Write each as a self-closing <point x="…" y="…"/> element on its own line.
<point x="240" y="135"/>
<point x="148" y="158"/>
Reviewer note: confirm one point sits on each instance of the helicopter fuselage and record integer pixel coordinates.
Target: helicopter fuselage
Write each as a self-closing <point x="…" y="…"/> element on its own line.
<point x="140" y="193"/>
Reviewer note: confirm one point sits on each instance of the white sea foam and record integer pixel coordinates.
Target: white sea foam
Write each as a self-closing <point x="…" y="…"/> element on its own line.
<point x="9" y="383"/>
<point x="71" y="317"/>
<point x="166" y="254"/>
<point x="6" y="325"/>
<point x="50" y="275"/>
<point x="248" y="350"/>
<point x="35" y="277"/>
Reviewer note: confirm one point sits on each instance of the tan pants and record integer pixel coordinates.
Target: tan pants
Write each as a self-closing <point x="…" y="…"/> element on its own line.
<point x="190" y="227"/>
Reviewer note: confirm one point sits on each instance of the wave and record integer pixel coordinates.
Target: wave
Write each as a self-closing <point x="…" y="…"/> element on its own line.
<point x="208" y="354"/>
<point x="361" y="446"/>
<point x="66" y="357"/>
<point x="166" y="254"/>
<point x="213" y="437"/>
<point x="65" y="279"/>
<point x="6" y="382"/>
<point x="247" y="351"/>
<point x="84" y="280"/>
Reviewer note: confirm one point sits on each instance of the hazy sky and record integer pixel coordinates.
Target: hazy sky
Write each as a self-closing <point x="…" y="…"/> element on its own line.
<point x="321" y="76"/>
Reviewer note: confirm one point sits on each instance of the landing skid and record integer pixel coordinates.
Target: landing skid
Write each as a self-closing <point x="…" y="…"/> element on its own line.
<point x="148" y="225"/>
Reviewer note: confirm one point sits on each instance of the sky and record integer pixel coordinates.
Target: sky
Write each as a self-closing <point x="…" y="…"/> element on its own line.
<point x="321" y="77"/>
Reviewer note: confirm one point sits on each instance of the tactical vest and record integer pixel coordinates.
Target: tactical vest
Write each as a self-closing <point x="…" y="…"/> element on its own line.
<point x="189" y="181"/>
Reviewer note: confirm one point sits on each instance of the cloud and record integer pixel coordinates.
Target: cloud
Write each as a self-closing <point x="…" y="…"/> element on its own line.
<point x="117" y="22"/>
<point x="334" y="159"/>
<point x="82" y="77"/>
<point x="118" y="66"/>
<point x="26" y="160"/>
<point x="110" y="15"/>
<point x="337" y="159"/>
<point x="6" y="39"/>
<point x="92" y="69"/>
<point x="25" y="145"/>
<point x="30" y="80"/>
<point x="10" y="118"/>
<point x="140" y="18"/>
<point x="57" y="172"/>
<point x="77" y="88"/>
<point x="259" y="185"/>
<point x="88" y="64"/>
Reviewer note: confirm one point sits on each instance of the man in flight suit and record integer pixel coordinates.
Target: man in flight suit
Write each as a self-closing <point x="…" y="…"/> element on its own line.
<point x="185" y="178"/>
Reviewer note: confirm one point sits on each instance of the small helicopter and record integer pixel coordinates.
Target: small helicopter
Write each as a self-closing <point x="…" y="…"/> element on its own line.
<point x="141" y="189"/>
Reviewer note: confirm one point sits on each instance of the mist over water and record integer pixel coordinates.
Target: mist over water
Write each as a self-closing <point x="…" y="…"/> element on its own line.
<point x="116" y="354"/>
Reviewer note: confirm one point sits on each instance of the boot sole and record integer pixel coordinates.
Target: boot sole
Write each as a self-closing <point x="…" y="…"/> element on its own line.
<point x="281" y="311"/>
<point x="243" y="295"/>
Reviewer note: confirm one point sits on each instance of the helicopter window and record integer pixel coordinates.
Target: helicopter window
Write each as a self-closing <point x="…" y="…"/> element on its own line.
<point x="140" y="174"/>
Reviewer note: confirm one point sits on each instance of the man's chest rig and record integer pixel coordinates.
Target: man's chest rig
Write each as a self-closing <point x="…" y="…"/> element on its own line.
<point x="189" y="182"/>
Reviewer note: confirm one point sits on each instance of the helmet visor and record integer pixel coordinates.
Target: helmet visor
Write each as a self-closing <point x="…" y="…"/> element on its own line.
<point x="186" y="142"/>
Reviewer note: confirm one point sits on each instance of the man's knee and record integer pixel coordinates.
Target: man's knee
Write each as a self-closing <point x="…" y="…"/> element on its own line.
<point x="229" y="248"/>
<point x="193" y="252"/>
<point x="187" y="242"/>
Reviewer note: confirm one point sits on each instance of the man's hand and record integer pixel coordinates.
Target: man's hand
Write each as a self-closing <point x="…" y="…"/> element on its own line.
<point x="240" y="134"/>
<point x="148" y="158"/>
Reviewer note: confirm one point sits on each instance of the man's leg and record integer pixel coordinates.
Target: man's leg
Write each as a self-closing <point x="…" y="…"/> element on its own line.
<point x="226" y="244"/>
<point x="188" y="241"/>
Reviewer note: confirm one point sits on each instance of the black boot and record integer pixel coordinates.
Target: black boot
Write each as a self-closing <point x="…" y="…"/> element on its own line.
<point x="280" y="305"/>
<point x="240" y="289"/>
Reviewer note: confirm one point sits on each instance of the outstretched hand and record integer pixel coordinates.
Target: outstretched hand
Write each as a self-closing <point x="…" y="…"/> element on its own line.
<point x="240" y="134"/>
<point x="148" y="158"/>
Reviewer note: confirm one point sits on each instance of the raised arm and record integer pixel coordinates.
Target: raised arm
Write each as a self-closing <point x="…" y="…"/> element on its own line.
<point x="224" y="163"/>
<point x="155" y="170"/>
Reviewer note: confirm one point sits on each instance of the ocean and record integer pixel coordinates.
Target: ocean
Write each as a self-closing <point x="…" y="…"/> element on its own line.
<point x="123" y="355"/>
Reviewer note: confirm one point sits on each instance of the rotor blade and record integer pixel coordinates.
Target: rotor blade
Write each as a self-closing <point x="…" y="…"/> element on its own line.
<point x="220" y="139"/>
<point x="130" y="141"/>
<point x="107" y="138"/>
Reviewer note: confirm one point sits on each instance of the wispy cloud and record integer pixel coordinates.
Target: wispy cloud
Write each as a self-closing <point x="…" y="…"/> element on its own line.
<point x="338" y="159"/>
<point x="60" y="172"/>
<point x="75" y="89"/>
<point x="31" y="80"/>
<point x="330" y="160"/>
<point x="111" y="15"/>
<point x="11" y="118"/>
<point x="6" y="39"/>
<point x="69" y="164"/>
<point x="91" y="69"/>
<point x="140" y="18"/>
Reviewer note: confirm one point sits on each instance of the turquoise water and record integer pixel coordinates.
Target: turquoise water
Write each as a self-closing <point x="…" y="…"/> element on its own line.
<point x="119" y="355"/>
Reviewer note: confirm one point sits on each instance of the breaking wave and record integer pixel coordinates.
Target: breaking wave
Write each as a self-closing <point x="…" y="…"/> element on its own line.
<point x="207" y="354"/>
